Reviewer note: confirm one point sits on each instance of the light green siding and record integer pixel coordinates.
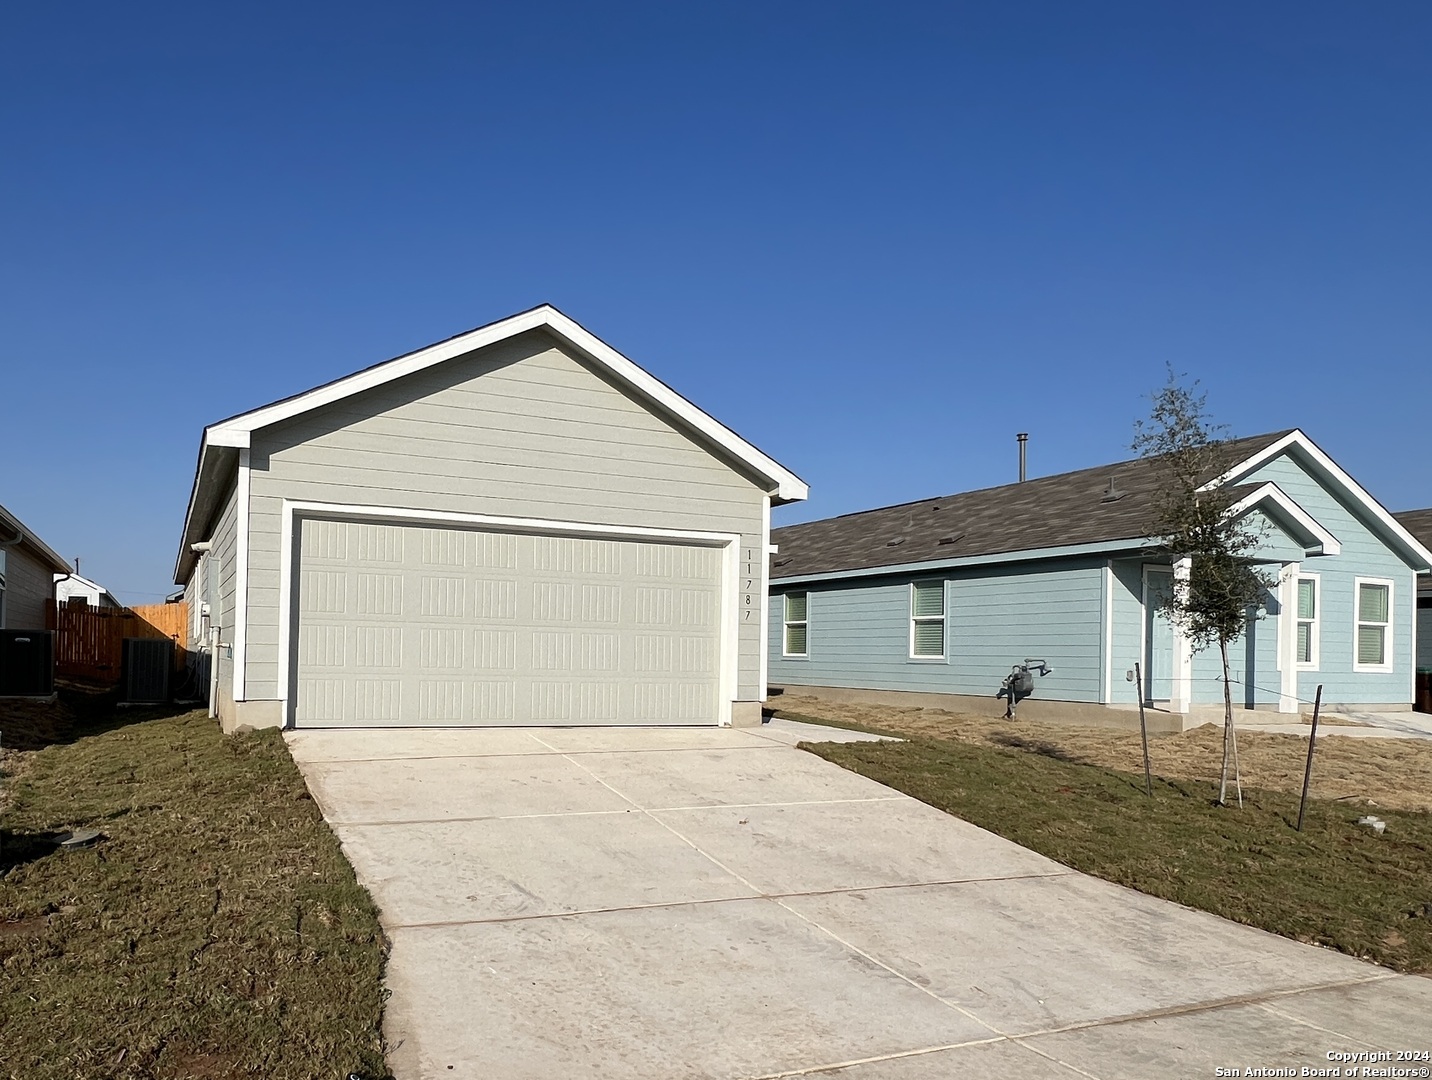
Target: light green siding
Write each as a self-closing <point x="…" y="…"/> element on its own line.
<point x="522" y="429"/>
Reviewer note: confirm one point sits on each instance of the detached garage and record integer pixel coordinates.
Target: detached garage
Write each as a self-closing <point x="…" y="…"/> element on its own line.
<point x="515" y="526"/>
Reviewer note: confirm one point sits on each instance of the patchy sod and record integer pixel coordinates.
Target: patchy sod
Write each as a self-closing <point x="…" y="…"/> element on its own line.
<point x="1336" y="884"/>
<point x="217" y="932"/>
<point x="1395" y="773"/>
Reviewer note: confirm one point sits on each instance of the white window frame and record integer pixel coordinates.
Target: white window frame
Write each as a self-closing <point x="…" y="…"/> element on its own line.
<point x="1315" y="629"/>
<point x="1387" y="633"/>
<point x="941" y="618"/>
<point x="787" y="623"/>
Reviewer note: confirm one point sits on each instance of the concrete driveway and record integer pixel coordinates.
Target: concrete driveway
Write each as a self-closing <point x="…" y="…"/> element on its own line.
<point x="668" y="903"/>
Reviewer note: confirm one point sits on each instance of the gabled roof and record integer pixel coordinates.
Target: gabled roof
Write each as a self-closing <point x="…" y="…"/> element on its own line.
<point x="221" y="441"/>
<point x="1090" y="510"/>
<point x="13" y="531"/>
<point x="95" y="585"/>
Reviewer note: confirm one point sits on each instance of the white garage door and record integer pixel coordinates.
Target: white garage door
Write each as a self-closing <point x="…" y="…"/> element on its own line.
<point x="408" y="625"/>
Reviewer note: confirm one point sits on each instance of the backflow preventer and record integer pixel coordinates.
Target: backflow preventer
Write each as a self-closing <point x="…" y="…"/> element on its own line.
<point x="1019" y="683"/>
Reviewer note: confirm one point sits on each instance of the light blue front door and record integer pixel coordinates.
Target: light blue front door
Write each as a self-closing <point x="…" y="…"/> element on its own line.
<point x="1158" y="635"/>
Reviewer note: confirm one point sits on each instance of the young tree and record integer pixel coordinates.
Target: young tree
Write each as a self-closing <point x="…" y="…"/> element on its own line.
<point x="1225" y="590"/>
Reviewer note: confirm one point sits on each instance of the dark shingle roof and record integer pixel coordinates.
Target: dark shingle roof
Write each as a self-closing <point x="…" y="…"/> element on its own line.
<point x="1418" y="523"/>
<point x="1048" y="511"/>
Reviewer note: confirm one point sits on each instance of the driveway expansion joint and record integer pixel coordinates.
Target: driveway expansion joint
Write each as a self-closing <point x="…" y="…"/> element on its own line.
<point x="673" y="905"/>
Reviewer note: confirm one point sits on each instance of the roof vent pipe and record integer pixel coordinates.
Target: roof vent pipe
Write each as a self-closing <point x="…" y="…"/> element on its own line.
<point x="1023" y="438"/>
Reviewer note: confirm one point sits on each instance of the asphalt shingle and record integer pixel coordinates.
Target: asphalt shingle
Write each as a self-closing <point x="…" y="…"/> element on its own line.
<point x="1098" y="505"/>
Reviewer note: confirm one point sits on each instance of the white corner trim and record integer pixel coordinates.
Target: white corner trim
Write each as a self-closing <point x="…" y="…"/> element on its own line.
<point x="241" y="577"/>
<point x="1288" y="638"/>
<point x="1350" y="486"/>
<point x="1271" y="492"/>
<point x="236" y="431"/>
<point x="763" y="585"/>
<point x="1182" y="699"/>
<point x="730" y="632"/>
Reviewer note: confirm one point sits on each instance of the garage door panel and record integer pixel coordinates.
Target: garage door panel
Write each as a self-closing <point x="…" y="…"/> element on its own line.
<point x="418" y="625"/>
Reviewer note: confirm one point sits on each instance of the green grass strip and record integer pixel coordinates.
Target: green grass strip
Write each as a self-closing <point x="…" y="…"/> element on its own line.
<point x="1335" y="884"/>
<point x="218" y="931"/>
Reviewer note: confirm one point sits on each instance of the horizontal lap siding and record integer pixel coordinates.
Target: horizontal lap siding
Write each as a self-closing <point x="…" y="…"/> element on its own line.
<point x="1363" y="555"/>
<point x="1128" y="629"/>
<point x="29" y="590"/>
<point x="1424" y="639"/>
<point x="859" y="633"/>
<point x="224" y="548"/>
<point x="1252" y="668"/>
<point x="519" y="430"/>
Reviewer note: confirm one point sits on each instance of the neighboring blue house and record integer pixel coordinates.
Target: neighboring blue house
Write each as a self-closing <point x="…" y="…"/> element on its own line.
<point x="1419" y="524"/>
<point x="944" y="596"/>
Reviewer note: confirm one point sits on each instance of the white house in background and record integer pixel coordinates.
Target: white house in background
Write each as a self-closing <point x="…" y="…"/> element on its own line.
<point x="27" y="575"/>
<point x="72" y="587"/>
<point x="517" y="525"/>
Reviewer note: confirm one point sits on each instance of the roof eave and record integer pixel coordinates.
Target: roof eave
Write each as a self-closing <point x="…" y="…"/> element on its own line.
<point x="237" y="431"/>
<point x="1416" y="554"/>
<point x="213" y="466"/>
<point x="32" y="542"/>
<point x="1066" y="551"/>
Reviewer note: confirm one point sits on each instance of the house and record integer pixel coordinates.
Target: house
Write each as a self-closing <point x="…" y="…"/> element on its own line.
<point x="517" y="525"/>
<point x="71" y="587"/>
<point x="936" y="601"/>
<point x="1419" y="524"/>
<point x="27" y="576"/>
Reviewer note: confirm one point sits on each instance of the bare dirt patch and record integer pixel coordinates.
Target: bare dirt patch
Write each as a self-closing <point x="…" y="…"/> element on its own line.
<point x="1391" y="773"/>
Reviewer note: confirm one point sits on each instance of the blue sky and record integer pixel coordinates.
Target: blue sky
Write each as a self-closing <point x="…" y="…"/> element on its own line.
<point x="875" y="239"/>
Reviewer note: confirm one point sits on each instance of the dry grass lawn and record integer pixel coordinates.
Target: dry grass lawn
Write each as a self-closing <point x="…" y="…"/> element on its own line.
<point x="1392" y="773"/>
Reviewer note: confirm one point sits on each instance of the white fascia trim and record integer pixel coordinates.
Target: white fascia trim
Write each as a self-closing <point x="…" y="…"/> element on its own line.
<point x="290" y="509"/>
<point x="1352" y="488"/>
<point x="1031" y="555"/>
<point x="1271" y="492"/>
<point x="241" y="576"/>
<point x="236" y="432"/>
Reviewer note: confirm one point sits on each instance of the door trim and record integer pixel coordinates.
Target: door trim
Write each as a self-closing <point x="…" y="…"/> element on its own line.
<point x="729" y="543"/>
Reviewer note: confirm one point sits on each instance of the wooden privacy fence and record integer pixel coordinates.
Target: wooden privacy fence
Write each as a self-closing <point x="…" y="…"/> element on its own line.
<point x="89" y="641"/>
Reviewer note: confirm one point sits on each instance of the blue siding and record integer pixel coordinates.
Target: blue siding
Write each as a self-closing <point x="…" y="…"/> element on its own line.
<point x="1252" y="667"/>
<point x="1128" y="628"/>
<point x="1054" y="609"/>
<point x="1276" y="545"/>
<point x="1363" y="555"/>
<point x="859" y="632"/>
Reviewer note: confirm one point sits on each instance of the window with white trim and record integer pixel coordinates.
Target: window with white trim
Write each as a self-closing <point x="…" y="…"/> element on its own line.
<point x="1309" y="621"/>
<point x="1373" y="641"/>
<point x="927" y="620"/>
<point x="796" y="624"/>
